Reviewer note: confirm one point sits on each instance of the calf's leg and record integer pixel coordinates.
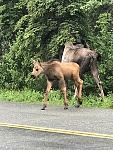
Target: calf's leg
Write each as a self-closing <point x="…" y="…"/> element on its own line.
<point x="75" y="88"/>
<point x="63" y="89"/>
<point x="49" y="85"/>
<point x="78" y="83"/>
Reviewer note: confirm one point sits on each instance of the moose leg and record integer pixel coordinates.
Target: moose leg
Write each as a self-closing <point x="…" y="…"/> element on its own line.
<point x="79" y="84"/>
<point x="76" y="92"/>
<point x="95" y="73"/>
<point x="63" y="89"/>
<point x="49" y="85"/>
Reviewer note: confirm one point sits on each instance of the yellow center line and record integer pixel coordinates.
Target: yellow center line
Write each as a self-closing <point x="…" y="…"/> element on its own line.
<point x="53" y="130"/>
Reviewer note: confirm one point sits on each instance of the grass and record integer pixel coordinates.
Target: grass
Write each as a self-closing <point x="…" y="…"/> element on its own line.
<point x="55" y="98"/>
<point x="26" y="96"/>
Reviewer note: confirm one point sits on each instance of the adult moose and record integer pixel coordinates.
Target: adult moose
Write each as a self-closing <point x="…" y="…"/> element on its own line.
<point x="87" y="60"/>
<point x="55" y="70"/>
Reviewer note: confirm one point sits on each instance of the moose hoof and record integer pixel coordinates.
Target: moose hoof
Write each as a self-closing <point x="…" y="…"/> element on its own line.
<point x="44" y="107"/>
<point x="77" y="106"/>
<point x="66" y="107"/>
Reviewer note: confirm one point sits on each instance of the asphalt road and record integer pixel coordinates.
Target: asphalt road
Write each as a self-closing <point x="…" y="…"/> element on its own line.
<point x="16" y="139"/>
<point x="82" y="120"/>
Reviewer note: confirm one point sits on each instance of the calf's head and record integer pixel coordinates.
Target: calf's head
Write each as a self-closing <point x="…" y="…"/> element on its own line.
<point x="37" y="69"/>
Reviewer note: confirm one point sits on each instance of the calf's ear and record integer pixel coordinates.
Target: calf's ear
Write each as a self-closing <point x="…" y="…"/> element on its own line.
<point x="33" y="61"/>
<point x="39" y="63"/>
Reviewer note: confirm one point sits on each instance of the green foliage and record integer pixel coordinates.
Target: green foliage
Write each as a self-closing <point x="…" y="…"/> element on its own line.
<point x="93" y="101"/>
<point x="35" y="29"/>
<point x="21" y="96"/>
<point x="55" y="98"/>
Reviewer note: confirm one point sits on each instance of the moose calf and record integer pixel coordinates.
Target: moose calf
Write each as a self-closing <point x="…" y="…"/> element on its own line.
<point x="55" y="70"/>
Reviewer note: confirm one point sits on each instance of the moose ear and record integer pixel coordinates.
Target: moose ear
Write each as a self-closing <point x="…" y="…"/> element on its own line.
<point x="39" y="62"/>
<point x="33" y="61"/>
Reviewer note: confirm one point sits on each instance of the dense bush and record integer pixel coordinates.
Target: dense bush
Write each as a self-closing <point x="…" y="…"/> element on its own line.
<point x="38" y="29"/>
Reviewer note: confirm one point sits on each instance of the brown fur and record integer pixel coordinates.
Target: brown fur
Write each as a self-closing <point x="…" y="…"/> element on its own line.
<point x="87" y="60"/>
<point x="55" y="70"/>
